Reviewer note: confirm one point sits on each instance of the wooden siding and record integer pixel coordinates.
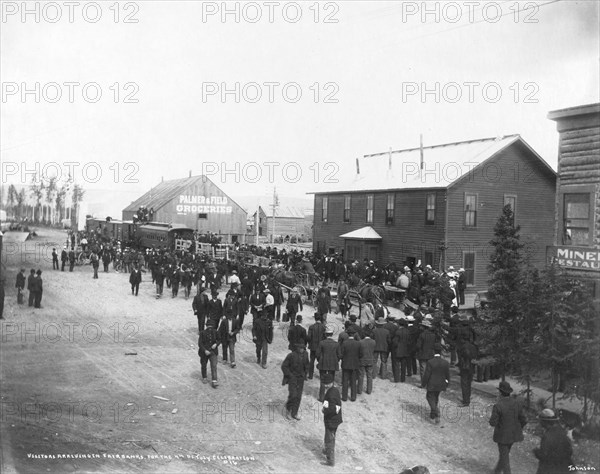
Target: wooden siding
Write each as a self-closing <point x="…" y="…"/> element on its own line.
<point x="407" y="237"/>
<point x="225" y="225"/>
<point x="514" y="171"/>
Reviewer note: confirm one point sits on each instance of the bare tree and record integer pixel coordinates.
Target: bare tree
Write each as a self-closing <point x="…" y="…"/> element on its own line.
<point x="50" y="192"/>
<point x="37" y="191"/>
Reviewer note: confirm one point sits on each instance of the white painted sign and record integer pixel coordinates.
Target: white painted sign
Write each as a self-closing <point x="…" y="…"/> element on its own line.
<point x="203" y="205"/>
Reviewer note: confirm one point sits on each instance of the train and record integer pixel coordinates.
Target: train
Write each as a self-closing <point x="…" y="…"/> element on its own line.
<point x="147" y="235"/>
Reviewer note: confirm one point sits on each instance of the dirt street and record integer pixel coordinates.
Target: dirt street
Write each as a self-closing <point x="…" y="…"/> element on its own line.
<point x="113" y="381"/>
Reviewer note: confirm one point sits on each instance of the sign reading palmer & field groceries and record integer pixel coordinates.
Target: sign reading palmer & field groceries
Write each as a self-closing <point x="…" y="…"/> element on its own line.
<point x="203" y="205"/>
<point x="580" y="258"/>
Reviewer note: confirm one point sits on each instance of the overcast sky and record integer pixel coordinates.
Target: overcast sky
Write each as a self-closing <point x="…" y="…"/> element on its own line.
<point x="371" y="61"/>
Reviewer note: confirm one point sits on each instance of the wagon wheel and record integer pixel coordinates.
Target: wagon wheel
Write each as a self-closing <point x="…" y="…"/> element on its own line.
<point x="83" y="259"/>
<point x="302" y="292"/>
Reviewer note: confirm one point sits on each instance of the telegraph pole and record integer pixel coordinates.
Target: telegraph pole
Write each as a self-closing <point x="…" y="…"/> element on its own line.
<point x="274" y="206"/>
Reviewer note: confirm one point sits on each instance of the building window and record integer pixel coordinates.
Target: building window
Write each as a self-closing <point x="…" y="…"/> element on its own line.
<point x="430" y="209"/>
<point x="469" y="266"/>
<point x="577" y="219"/>
<point x="428" y="258"/>
<point x="324" y="204"/>
<point x="470" y="210"/>
<point x="347" y="208"/>
<point x="369" y="208"/>
<point x="389" y="210"/>
<point x="511" y="200"/>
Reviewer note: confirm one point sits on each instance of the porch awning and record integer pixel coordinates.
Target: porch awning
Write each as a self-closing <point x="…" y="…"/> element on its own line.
<point x="365" y="233"/>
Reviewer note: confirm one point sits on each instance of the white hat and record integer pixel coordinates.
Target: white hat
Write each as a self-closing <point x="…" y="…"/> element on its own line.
<point x="461" y="269"/>
<point x="451" y="268"/>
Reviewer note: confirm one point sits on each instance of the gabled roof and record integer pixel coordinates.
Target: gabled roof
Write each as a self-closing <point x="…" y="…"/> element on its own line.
<point x="165" y="191"/>
<point x="443" y="165"/>
<point x="364" y="233"/>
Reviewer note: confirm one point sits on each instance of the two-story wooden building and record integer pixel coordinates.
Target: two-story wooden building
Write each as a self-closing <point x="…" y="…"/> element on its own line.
<point x="438" y="205"/>
<point x="577" y="231"/>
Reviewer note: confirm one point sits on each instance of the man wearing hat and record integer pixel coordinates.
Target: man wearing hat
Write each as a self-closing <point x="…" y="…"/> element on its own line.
<point x="316" y="333"/>
<point x="425" y="345"/>
<point x="402" y="351"/>
<point x="257" y="301"/>
<point x="262" y="335"/>
<point x="297" y="334"/>
<point x="200" y="307"/>
<point x="269" y="305"/>
<point x="63" y="258"/>
<point x="295" y="370"/>
<point x="214" y="308"/>
<point x="350" y="352"/>
<point x="382" y="344"/>
<point x="328" y="355"/>
<point x="555" y="453"/>
<point x="467" y="351"/>
<point x="31" y="286"/>
<point x="54" y="259"/>
<point x="37" y="289"/>
<point x="208" y="350"/>
<point x="324" y="301"/>
<point x="367" y="359"/>
<point x="508" y="419"/>
<point x="20" y="285"/>
<point x="135" y="279"/>
<point x="332" y="416"/>
<point x="436" y="379"/>
<point x="293" y="305"/>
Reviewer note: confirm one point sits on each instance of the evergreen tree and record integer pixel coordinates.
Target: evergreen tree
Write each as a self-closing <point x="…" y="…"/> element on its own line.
<point x="504" y="313"/>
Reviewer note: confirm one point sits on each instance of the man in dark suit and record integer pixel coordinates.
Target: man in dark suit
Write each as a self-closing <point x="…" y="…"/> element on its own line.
<point x="435" y="379"/>
<point x="200" y="307"/>
<point x="20" y="285"/>
<point x="316" y="333"/>
<point x="466" y="353"/>
<point x="367" y="359"/>
<point x="425" y="345"/>
<point x="508" y="419"/>
<point x="555" y="453"/>
<point x="208" y="350"/>
<point x="257" y="301"/>
<point x="31" y="286"/>
<point x="294" y="303"/>
<point x="382" y="343"/>
<point x="63" y="259"/>
<point x="228" y="330"/>
<point x="328" y="355"/>
<point x="71" y="259"/>
<point x="214" y="309"/>
<point x="402" y="348"/>
<point x="297" y="334"/>
<point x="332" y="416"/>
<point x="350" y="352"/>
<point x="135" y="279"/>
<point x="262" y="335"/>
<point x="295" y="370"/>
<point x="38" y="289"/>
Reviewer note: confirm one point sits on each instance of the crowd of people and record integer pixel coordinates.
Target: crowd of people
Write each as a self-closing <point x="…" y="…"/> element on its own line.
<point x="411" y="339"/>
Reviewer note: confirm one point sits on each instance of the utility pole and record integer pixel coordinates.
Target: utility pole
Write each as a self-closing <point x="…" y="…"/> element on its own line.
<point x="274" y="206"/>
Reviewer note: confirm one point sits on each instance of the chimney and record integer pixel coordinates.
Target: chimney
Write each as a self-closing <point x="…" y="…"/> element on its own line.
<point x="357" y="167"/>
<point x="421" y="149"/>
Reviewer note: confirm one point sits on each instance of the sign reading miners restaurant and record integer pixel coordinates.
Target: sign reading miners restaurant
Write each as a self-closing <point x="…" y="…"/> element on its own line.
<point x="580" y="258"/>
<point x="203" y="205"/>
